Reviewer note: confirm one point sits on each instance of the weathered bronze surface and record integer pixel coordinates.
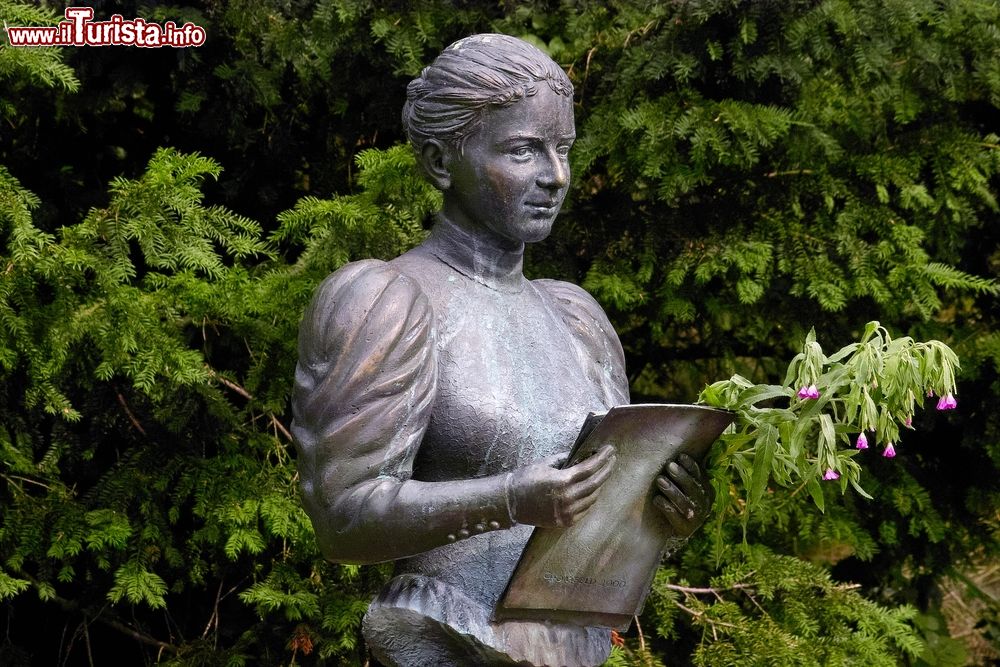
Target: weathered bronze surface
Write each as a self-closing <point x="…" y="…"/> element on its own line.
<point x="437" y="395"/>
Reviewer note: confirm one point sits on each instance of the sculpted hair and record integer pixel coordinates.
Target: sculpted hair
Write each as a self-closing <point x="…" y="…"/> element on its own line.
<point x="450" y="97"/>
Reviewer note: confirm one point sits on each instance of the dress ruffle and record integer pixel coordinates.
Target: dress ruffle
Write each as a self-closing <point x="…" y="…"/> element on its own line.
<point x="417" y="621"/>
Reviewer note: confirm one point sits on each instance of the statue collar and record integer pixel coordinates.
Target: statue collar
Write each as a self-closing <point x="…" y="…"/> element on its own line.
<point x="477" y="258"/>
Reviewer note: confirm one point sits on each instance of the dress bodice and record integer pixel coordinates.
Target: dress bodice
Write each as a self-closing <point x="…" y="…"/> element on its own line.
<point x="510" y="386"/>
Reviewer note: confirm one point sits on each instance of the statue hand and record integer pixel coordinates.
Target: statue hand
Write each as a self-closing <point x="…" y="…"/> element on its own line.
<point x="543" y="495"/>
<point x="686" y="496"/>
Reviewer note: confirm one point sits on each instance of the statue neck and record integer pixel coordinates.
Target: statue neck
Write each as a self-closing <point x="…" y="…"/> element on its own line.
<point x="478" y="255"/>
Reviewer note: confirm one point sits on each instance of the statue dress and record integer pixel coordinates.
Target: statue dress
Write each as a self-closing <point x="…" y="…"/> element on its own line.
<point x="442" y="365"/>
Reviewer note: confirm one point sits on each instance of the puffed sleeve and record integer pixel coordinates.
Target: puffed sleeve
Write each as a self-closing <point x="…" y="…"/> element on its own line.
<point x="364" y="391"/>
<point x="596" y="344"/>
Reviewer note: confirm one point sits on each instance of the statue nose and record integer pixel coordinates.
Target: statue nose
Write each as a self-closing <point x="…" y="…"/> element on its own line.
<point x="555" y="173"/>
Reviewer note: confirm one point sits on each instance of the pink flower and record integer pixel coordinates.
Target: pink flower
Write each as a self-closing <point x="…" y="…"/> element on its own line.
<point x="889" y="451"/>
<point x="930" y="393"/>
<point x="831" y="474"/>
<point x="808" y="392"/>
<point x="909" y="421"/>
<point x="862" y="441"/>
<point x="947" y="402"/>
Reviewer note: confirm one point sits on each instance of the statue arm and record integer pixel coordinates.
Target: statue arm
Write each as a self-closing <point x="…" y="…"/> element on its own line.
<point x="364" y="389"/>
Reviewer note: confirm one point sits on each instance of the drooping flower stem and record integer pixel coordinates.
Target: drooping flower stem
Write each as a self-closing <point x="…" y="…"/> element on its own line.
<point x="867" y="387"/>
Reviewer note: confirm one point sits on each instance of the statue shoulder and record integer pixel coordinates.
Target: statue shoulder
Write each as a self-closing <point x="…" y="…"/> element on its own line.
<point x="367" y="293"/>
<point x="569" y="295"/>
<point x="355" y="289"/>
<point x="576" y="304"/>
<point x="365" y="386"/>
<point x="364" y="320"/>
<point x="591" y="329"/>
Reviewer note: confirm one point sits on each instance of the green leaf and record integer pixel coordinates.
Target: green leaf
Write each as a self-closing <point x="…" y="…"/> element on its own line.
<point x="764" y="449"/>
<point x="136" y="584"/>
<point x="816" y="492"/>
<point x="759" y="393"/>
<point x="11" y="586"/>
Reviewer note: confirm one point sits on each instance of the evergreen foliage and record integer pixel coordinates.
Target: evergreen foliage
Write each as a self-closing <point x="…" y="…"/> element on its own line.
<point x="31" y="66"/>
<point x="744" y="171"/>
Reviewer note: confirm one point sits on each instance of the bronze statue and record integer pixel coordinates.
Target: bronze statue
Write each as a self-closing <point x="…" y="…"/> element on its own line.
<point x="437" y="394"/>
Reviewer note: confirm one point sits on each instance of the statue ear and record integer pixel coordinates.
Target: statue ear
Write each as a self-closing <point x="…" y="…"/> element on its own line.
<point x="435" y="158"/>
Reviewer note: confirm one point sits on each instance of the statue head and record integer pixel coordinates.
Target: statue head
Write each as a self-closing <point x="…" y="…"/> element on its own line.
<point x="450" y="98"/>
<point x="491" y="121"/>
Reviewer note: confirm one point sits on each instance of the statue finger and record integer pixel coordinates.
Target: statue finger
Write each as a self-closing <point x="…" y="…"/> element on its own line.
<point x="690" y="465"/>
<point x="589" y="485"/>
<point x="592" y="464"/>
<point x="580" y="506"/>
<point x="685" y="506"/>
<point x="592" y="485"/>
<point x="671" y="513"/>
<point x="705" y="493"/>
<point x="691" y="486"/>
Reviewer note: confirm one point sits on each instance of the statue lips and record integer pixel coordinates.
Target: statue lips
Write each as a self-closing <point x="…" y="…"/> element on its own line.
<point x="544" y="209"/>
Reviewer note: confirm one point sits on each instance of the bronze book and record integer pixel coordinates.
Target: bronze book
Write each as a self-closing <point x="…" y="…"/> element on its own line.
<point x="599" y="571"/>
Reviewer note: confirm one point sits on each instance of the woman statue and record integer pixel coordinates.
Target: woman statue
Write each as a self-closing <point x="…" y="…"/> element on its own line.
<point x="437" y="394"/>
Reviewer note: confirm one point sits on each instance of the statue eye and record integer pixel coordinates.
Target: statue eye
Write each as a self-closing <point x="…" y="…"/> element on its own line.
<point x="522" y="152"/>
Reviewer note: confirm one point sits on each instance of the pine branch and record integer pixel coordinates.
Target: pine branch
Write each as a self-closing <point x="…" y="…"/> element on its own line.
<point x="247" y="395"/>
<point x="11" y="478"/>
<point x="708" y="590"/>
<point x="131" y="416"/>
<point x="701" y="615"/>
<point x="790" y="172"/>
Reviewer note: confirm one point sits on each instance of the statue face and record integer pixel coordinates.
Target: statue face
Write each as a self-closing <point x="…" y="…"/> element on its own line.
<point x="513" y="173"/>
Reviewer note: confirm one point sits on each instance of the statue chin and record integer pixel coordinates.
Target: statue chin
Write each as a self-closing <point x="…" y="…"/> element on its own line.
<point x="536" y="229"/>
<point x="539" y="236"/>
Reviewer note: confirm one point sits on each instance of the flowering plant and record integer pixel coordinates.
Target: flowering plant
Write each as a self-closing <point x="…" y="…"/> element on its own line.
<point x="828" y="411"/>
